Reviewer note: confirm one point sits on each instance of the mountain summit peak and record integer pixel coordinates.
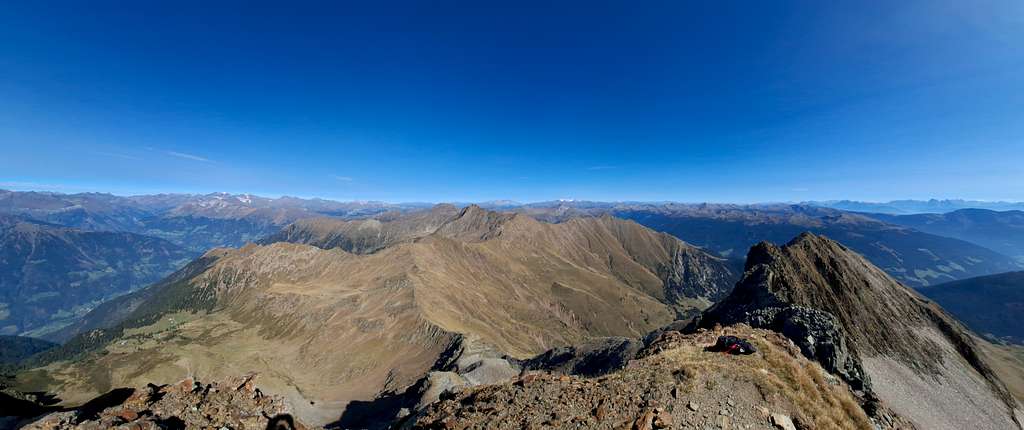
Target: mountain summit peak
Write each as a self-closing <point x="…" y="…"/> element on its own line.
<point x="877" y="334"/>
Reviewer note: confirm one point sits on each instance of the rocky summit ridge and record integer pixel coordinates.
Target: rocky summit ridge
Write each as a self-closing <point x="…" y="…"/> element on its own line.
<point x="892" y="345"/>
<point x="880" y="356"/>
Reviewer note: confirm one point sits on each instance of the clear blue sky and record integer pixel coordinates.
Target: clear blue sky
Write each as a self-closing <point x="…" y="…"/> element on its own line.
<point x="432" y="101"/>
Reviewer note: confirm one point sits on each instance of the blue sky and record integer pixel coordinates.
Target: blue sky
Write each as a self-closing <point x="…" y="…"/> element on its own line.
<point x="442" y="101"/>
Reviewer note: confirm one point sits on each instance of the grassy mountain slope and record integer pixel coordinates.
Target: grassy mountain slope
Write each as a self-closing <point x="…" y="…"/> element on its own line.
<point x="329" y="326"/>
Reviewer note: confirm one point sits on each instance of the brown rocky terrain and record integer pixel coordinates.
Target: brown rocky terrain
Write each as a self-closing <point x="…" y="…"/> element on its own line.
<point x="674" y="383"/>
<point x="895" y="359"/>
<point x="325" y="327"/>
<point x="886" y="340"/>
<point x="671" y="381"/>
<point x="235" y="404"/>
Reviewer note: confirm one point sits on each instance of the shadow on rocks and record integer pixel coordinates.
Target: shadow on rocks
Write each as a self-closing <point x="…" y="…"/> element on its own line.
<point x="376" y="414"/>
<point x="91" y="409"/>
<point x="281" y="422"/>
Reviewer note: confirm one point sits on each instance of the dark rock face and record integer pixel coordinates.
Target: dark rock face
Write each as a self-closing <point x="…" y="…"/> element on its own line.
<point x="819" y="336"/>
<point x="823" y="297"/>
<point x="595" y="358"/>
<point x="818" y="333"/>
<point x="689" y="276"/>
<point x="841" y="311"/>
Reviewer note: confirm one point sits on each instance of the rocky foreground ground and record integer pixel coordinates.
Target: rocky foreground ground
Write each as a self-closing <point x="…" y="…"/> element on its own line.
<point x="235" y="405"/>
<point x="676" y="383"/>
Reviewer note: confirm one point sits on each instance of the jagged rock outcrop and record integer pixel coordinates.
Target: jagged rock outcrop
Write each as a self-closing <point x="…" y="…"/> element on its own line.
<point x="675" y="383"/>
<point x="235" y="404"/>
<point x="591" y="358"/>
<point x="881" y="337"/>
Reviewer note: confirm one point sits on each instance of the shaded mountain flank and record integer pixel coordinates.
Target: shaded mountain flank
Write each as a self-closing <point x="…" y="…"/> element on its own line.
<point x="50" y="275"/>
<point x="913" y="257"/>
<point x="999" y="231"/>
<point x="327" y="327"/>
<point x="990" y="305"/>
<point x="885" y="340"/>
<point x="907" y="207"/>
<point x="14" y="349"/>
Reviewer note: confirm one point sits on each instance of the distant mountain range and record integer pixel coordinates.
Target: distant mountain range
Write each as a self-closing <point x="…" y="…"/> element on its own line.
<point x="62" y="254"/>
<point x="195" y="222"/>
<point x="906" y="207"/>
<point x="911" y="256"/>
<point x="999" y="231"/>
<point x="918" y="250"/>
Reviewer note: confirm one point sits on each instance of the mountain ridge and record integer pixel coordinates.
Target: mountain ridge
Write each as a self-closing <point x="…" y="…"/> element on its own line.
<point x="518" y="284"/>
<point x="880" y="336"/>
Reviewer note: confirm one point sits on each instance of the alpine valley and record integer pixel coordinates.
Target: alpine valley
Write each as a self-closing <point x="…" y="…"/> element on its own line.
<point x="497" y="315"/>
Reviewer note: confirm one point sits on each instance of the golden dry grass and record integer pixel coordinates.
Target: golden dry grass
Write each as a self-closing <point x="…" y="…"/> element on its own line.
<point x="1007" y="362"/>
<point x="781" y="376"/>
